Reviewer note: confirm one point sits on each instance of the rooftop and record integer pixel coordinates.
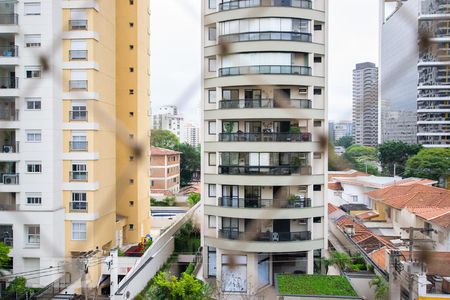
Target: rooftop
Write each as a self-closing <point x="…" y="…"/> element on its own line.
<point x="157" y="151"/>
<point x="379" y="182"/>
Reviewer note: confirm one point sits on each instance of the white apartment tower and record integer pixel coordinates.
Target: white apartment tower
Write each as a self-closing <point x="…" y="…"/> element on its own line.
<point x="191" y="134"/>
<point x="168" y="118"/>
<point x="264" y="113"/>
<point x="365" y="104"/>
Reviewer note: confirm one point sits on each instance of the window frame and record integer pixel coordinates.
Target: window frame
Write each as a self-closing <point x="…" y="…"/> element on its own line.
<point x="78" y="231"/>
<point x="36" y="234"/>
<point x="210" y="194"/>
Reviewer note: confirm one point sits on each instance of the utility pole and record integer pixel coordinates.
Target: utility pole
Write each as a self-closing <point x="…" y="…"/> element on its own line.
<point x="411" y="241"/>
<point x="395" y="166"/>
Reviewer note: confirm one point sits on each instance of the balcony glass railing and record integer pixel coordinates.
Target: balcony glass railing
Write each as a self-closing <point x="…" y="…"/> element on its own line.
<point x="9" y="19"/>
<point x="10" y="148"/>
<point x="78" y="176"/>
<point x="264" y="170"/>
<point x="265" y="36"/>
<point x="78" y="54"/>
<point x="265" y="69"/>
<point x="265" y="103"/>
<point x="78" y="24"/>
<point x="78" y="145"/>
<point x="9" y="114"/>
<point x="9" y="82"/>
<point x="232" y="234"/>
<point x="9" y="51"/>
<point x="78" y="115"/>
<point x="79" y="206"/>
<point x="9" y="178"/>
<point x="78" y="84"/>
<point x="236" y="202"/>
<point x="265" y="137"/>
<point x="229" y="5"/>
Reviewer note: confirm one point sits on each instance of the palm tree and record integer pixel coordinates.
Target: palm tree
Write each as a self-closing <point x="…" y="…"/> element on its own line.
<point x="341" y="259"/>
<point x="381" y="287"/>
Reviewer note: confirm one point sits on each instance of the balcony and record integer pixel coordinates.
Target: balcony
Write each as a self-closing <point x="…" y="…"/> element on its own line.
<point x="9" y="51"/>
<point x="265" y="137"/>
<point x="8" y="202"/>
<point x="268" y="236"/>
<point x="265" y="103"/>
<point x="9" y="19"/>
<point x="230" y="5"/>
<point x="265" y="69"/>
<point x="78" y="115"/>
<point x="8" y="142"/>
<point x="78" y="54"/>
<point x="78" y="84"/>
<point x="78" y="176"/>
<point x="236" y="202"/>
<point x="6" y="235"/>
<point x="75" y="146"/>
<point x="78" y="24"/>
<point x="9" y="82"/>
<point x="265" y="170"/>
<point x="9" y="178"/>
<point x="266" y="36"/>
<point x="79" y="206"/>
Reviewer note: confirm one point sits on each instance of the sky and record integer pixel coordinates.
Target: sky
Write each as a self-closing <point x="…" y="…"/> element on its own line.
<point x="176" y="52"/>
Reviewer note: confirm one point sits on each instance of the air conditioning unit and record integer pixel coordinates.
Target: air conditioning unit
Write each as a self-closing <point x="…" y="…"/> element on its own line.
<point x="10" y="179"/>
<point x="8" y="149"/>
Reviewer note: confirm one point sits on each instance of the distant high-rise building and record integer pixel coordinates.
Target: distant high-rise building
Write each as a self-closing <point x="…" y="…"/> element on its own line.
<point x="365" y="104"/>
<point x="433" y="102"/>
<point x="169" y="119"/>
<point x="191" y="134"/>
<point x="339" y="129"/>
<point x="398" y="71"/>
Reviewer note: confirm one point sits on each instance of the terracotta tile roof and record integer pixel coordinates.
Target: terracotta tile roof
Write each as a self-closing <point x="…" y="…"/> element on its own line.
<point x="332" y="208"/>
<point x="379" y="257"/>
<point x="157" y="151"/>
<point x="443" y="221"/>
<point x="399" y="195"/>
<point x="161" y="192"/>
<point x="439" y="216"/>
<point x="336" y="186"/>
<point x="367" y="215"/>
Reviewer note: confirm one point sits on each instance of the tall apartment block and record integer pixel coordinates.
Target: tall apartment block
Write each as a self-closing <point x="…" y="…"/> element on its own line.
<point x="263" y="167"/>
<point x="168" y="119"/>
<point x="191" y="134"/>
<point x="339" y="129"/>
<point x="365" y="104"/>
<point x="398" y="71"/>
<point x="71" y="181"/>
<point x="433" y="102"/>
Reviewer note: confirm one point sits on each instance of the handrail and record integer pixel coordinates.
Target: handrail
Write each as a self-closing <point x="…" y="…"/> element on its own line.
<point x="265" y="69"/>
<point x="265" y="36"/>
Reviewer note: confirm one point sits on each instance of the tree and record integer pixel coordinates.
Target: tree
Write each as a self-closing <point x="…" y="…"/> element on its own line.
<point x="187" y="287"/>
<point x="341" y="259"/>
<point x="396" y="153"/>
<point x="4" y="258"/>
<point x="190" y="162"/>
<point x="381" y="287"/>
<point x="431" y="163"/>
<point x="363" y="158"/>
<point x="193" y="199"/>
<point x="18" y="286"/>
<point x="345" y="141"/>
<point x="336" y="162"/>
<point x="164" y="139"/>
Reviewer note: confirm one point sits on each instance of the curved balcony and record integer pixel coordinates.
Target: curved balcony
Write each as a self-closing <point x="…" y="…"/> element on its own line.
<point x="9" y="82"/>
<point x="9" y="19"/>
<point x="230" y="5"/>
<point x="265" y="69"/>
<point x="236" y="202"/>
<point x="266" y="36"/>
<point x="265" y="137"/>
<point x="9" y="51"/>
<point x="265" y="170"/>
<point x="265" y="236"/>
<point x="265" y="103"/>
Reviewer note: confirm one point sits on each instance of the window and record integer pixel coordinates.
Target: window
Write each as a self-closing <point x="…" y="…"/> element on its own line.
<point x="34" y="167"/>
<point x="33" y="71"/>
<point x="211" y="190"/>
<point x="34" y="198"/>
<point x="212" y="4"/>
<point x="211" y="64"/>
<point x="79" y="112"/>
<point x="317" y="59"/>
<point x="317" y="155"/>
<point x="33" y="235"/>
<point x="318" y="91"/>
<point x="32" y="8"/>
<point x="212" y="159"/>
<point x="211" y="33"/>
<point x="34" y="136"/>
<point x="131" y="203"/>
<point x="131" y="47"/>
<point x="33" y="103"/>
<point x="131" y="24"/>
<point x="317" y="123"/>
<point x="131" y="69"/>
<point x="131" y="92"/>
<point x="78" y="49"/>
<point x="78" y="231"/>
<point x="79" y="201"/>
<point x="211" y="96"/>
<point x="212" y="220"/>
<point x="131" y="2"/>
<point x="317" y="220"/>
<point x="355" y="198"/>
<point x="152" y="183"/>
<point x="212" y="127"/>
<point x="317" y="27"/>
<point x="212" y="261"/>
<point x="32" y="40"/>
<point x="131" y="227"/>
<point x="317" y="188"/>
<point x="79" y="171"/>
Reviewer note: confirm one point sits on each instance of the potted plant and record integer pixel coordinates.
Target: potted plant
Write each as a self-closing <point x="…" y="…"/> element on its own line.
<point x="292" y="199"/>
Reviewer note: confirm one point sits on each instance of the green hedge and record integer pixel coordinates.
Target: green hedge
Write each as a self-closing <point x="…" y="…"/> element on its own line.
<point x="290" y="284"/>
